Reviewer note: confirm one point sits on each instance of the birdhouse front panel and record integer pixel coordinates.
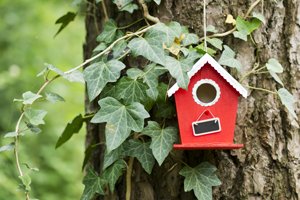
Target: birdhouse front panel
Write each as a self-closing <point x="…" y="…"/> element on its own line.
<point x="207" y="110"/>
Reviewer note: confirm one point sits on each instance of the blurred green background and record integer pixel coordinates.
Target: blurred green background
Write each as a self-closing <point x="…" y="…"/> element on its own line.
<point x="27" y="41"/>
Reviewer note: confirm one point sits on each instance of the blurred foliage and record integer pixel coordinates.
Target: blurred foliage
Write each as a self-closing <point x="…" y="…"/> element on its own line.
<point x="27" y="41"/>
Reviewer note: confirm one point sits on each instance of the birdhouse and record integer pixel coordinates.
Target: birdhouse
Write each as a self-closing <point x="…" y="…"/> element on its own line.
<point x="207" y="110"/>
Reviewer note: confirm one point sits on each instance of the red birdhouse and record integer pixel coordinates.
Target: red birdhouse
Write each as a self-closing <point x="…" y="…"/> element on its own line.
<point x="207" y="110"/>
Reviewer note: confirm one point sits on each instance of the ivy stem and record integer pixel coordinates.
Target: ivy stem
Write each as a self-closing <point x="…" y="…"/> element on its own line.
<point x="104" y="10"/>
<point x="131" y="24"/>
<point x="108" y="49"/>
<point x="17" y="130"/>
<point x="146" y="12"/>
<point x="128" y="178"/>
<point x="234" y="29"/>
<point x="261" y="89"/>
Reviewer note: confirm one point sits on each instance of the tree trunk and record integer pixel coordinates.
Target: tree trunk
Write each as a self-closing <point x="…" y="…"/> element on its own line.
<point x="268" y="167"/>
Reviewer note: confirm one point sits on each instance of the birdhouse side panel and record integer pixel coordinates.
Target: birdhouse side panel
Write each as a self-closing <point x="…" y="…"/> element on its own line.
<point x="224" y="109"/>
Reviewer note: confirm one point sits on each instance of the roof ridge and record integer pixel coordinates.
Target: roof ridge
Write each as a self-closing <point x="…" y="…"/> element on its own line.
<point x="208" y="59"/>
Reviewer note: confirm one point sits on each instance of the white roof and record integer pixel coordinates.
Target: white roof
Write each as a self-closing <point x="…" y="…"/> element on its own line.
<point x="208" y="59"/>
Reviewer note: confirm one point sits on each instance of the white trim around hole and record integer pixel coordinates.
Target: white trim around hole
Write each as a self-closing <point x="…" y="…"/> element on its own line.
<point x="208" y="81"/>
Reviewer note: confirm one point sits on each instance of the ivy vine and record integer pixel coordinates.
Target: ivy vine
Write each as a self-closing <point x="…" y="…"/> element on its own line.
<point x="133" y="102"/>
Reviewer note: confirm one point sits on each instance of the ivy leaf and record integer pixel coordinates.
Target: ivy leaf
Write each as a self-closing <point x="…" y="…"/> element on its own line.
<point x="276" y="77"/>
<point x="227" y="58"/>
<point x="142" y="152"/>
<point x="111" y="157"/>
<point x="215" y="42"/>
<point x="109" y="32"/>
<point x="131" y="90"/>
<point x="211" y="28"/>
<point x="189" y="39"/>
<point x="99" y="74"/>
<point x="71" y="128"/>
<point x="274" y="66"/>
<point x="241" y="35"/>
<point x="163" y="108"/>
<point x="287" y="99"/>
<point x="162" y="140"/>
<point x="125" y="5"/>
<point x="150" y="76"/>
<point x="112" y="174"/>
<point x="247" y="26"/>
<point x="29" y="97"/>
<point x="53" y="97"/>
<point x="33" y="128"/>
<point x="201" y="49"/>
<point x="7" y="147"/>
<point x="150" y="47"/>
<point x="119" y="48"/>
<point x="64" y="21"/>
<point x="121" y="119"/>
<point x="26" y="181"/>
<point x="200" y="179"/>
<point x="35" y="117"/>
<point x="259" y="16"/>
<point x="93" y="185"/>
<point x="178" y="71"/>
<point x="100" y="47"/>
<point x="230" y="20"/>
<point x="157" y="2"/>
<point x="75" y="76"/>
<point x="10" y="134"/>
<point x="168" y="32"/>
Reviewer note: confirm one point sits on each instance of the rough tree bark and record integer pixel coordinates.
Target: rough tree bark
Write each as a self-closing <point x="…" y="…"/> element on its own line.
<point x="268" y="167"/>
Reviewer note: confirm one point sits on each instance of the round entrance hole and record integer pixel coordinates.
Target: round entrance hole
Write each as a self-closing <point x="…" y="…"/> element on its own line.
<point x="206" y="92"/>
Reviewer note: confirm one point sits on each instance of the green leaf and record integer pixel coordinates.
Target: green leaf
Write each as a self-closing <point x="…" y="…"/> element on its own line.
<point x="259" y="16"/>
<point x="112" y="174"/>
<point x="150" y="77"/>
<point x="75" y="76"/>
<point x="227" y="58"/>
<point x="200" y="179"/>
<point x="211" y="28"/>
<point x="162" y="140"/>
<point x="64" y="21"/>
<point x="163" y="108"/>
<point x="26" y="181"/>
<point x="125" y="5"/>
<point x="35" y="117"/>
<point x="215" y="42"/>
<point x="131" y="90"/>
<point x="119" y="49"/>
<point x="93" y="185"/>
<point x="276" y="77"/>
<point x="87" y="153"/>
<point x="178" y="71"/>
<point x="201" y="49"/>
<point x="168" y="32"/>
<point x="7" y="147"/>
<point x="10" y="134"/>
<point x="111" y="157"/>
<point x="247" y="26"/>
<point x="150" y="47"/>
<point x="134" y="73"/>
<point x="142" y="152"/>
<point x="287" y="99"/>
<point x="121" y="119"/>
<point x="157" y="2"/>
<point x="274" y="66"/>
<point x="33" y="128"/>
<point x="53" y="97"/>
<point x="99" y="74"/>
<point x="71" y="128"/>
<point x="100" y="47"/>
<point x="109" y="32"/>
<point x="29" y="97"/>
<point x="241" y="35"/>
<point x="189" y="39"/>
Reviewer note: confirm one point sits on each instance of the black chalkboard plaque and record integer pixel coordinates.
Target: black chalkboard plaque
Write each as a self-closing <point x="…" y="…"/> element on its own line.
<point x="207" y="126"/>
